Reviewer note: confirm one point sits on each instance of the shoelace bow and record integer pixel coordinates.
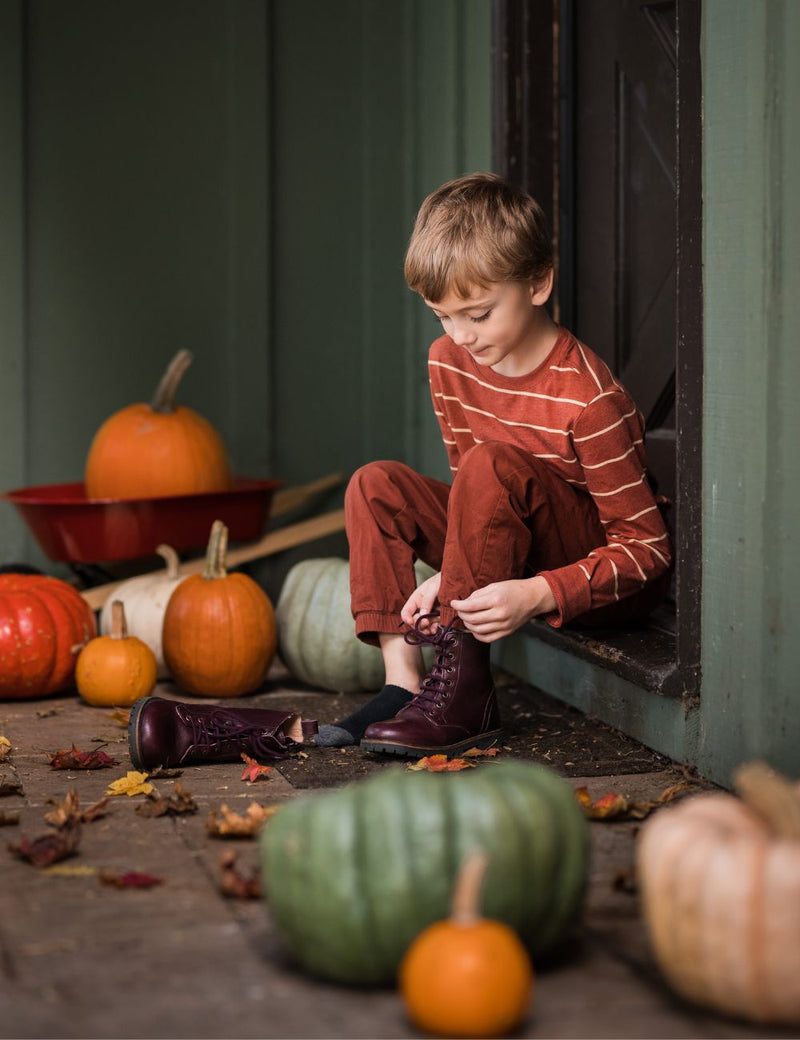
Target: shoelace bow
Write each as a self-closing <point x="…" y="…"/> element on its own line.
<point x="437" y="681"/>
<point x="221" y="727"/>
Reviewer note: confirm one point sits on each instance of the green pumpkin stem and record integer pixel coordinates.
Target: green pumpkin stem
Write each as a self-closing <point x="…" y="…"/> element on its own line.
<point x="771" y="795"/>
<point x="119" y="624"/>
<point x="164" y="397"/>
<point x="466" y="905"/>
<point x="170" y="558"/>
<point x="216" y="551"/>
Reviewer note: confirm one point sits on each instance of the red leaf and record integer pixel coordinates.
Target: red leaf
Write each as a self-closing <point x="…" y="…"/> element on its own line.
<point x="440" y="764"/>
<point x="51" y="847"/>
<point x="73" y="758"/>
<point x="253" y="770"/>
<point x="129" y="879"/>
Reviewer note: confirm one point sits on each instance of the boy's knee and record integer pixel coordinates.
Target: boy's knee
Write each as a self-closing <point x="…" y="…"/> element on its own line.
<point x="494" y="460"/>
<point x="368" y="481"/>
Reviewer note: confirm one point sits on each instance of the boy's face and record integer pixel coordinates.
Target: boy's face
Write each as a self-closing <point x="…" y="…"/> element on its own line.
<point x="498" y="326"/>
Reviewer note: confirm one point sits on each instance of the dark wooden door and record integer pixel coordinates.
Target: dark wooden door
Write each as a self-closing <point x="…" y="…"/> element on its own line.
<point x="625" y="161"/>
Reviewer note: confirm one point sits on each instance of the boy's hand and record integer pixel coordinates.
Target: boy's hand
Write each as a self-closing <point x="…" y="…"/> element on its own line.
<point x="501" y="608"/>
<point x="422" y="600"/>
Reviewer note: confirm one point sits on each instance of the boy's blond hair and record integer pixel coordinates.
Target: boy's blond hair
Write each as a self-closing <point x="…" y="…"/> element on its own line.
<point x="474" y="232"/>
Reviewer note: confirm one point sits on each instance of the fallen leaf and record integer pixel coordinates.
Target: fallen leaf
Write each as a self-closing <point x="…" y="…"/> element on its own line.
<point x="172" y="805"/>
<point x="624" y="880"/>
<point x="253" y="770"/>
<point x="73" y="758"/>
<point x="131" y="784"/>
<point x="440" y="764"/>
<point x="615" y="806"/>
<point x="49" y="848"/>
<point x="70" y="809"/>
<point x="235" y="885"/>
<point x="5" y="748"/>
<point x="162" y="773"/>
<point x="9" y="819"/>
<point x="9" y="786"/>
<point x="475" y="752"/>
<point x="121" y="716"/>
<point x="129" y="879"/>
<point x="45" y="713"/>
<point x="229" y="824"/>
<point x="70" y="870"/>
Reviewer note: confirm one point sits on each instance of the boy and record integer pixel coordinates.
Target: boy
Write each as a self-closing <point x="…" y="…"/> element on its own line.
<point x="550" y="513"/>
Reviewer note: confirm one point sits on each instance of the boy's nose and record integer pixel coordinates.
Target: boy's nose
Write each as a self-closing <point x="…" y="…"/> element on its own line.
<point x="463" y="336"/>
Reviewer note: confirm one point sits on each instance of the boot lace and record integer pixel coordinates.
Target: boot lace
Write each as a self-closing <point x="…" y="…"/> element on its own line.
<point x="437" y="683"/>
<point x="223" y="731"/>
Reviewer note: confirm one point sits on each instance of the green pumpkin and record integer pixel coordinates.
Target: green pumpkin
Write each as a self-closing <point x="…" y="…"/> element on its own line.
<point x="353" y="875"/>
<point x="316" y="635"/>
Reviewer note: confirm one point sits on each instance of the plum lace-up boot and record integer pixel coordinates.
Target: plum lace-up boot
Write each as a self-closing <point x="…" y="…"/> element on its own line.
<point x="456" y="708"/>
<point x="172" y="733"/>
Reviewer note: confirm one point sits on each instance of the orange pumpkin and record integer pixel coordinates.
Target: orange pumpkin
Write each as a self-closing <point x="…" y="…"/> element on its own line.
<point x="152" y="450"/>
<point x="467" y="976"/>
<point x="219" y="635"/>
<point x="43" y="623"/>
<point x="117" y="669"/>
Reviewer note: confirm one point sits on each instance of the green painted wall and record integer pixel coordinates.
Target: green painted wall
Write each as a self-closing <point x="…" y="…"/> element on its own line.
<point x="238" y="177"/>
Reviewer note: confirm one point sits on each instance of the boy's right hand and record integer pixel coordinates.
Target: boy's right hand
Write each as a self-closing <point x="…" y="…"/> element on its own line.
<point x="422" y="600"/>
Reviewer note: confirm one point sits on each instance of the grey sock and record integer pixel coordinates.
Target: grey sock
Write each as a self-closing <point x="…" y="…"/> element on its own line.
<point x="384" y="705"/>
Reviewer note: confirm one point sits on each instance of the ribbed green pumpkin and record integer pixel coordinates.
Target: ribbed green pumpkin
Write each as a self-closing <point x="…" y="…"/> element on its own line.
<point x="353" y="875"/>
<point x="316" y="637"/>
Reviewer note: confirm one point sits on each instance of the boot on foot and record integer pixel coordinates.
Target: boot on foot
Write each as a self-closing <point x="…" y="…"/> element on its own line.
<point x="456" y="708"/>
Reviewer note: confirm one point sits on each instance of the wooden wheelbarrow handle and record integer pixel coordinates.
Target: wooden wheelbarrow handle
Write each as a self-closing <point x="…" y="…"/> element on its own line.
<point x="272" y="542"/>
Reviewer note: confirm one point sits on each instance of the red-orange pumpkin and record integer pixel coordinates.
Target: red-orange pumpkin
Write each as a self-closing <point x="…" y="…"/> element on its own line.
<point x="219" y="635"/>
<point x="43" y="624"/>
<point x="157" y="449"/>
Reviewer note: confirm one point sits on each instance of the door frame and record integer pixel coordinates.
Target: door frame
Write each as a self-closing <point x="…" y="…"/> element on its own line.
<point x="532" y="146"/>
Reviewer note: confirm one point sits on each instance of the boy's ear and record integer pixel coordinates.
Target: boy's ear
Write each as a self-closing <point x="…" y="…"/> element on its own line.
<point x="541" y="289"/>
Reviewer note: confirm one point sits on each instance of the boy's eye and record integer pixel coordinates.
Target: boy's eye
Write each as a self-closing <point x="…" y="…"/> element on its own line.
<point x="481" y="317"/>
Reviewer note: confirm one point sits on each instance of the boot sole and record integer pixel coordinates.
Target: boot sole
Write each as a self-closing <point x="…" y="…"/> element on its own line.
<point x="133" y="734"/>
<point x="484" y="741"/>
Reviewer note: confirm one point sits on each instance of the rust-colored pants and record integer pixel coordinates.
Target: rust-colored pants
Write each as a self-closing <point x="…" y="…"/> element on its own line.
<point x="506" y="515"/>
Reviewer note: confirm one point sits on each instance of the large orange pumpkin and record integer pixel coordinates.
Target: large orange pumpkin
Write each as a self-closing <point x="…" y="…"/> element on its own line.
<point x="43" y="624"/>
<point x="219" y="634"/>
<point x="157" y="449"/>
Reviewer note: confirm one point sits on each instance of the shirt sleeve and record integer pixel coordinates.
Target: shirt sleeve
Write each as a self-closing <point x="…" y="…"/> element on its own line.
<point x="608" y="441"/>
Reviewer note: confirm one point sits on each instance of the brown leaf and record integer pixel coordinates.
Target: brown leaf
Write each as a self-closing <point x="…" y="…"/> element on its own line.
<point x="45" y="713"/>
<point x="73" y="758"/>
<point x="253" y="770"/>
<point x="129" y="879"/>
<point x="624" y="880"/>
<point x="51" y="847"/>
<point x="475" y="752"/>
<point x="229" y="824"/>
<point x="440" y="764"/>
<point x="70" y="809"/>
<point x="235" y="885"/>
<point x="10" y="786"/>
<point x="172" y="805"/>
<point x="162" y="773"/>
<point x="615" y="806"/>
<point x="9" y="819"/>
<point x="121" y="716"/>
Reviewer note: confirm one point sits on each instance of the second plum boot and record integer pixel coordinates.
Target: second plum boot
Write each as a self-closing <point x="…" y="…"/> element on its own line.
<point x="456" y="708"/>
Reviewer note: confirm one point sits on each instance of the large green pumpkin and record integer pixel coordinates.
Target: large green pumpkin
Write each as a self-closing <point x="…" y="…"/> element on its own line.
<point x="316" y="635"/>
<point x="353" y="875"/>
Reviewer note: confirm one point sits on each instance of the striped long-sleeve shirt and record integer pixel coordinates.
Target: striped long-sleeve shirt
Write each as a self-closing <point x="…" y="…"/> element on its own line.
<point x="572" y="413"/>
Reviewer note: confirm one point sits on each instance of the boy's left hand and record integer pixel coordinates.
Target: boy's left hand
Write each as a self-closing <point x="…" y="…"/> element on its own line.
<point x="501" y="608"/>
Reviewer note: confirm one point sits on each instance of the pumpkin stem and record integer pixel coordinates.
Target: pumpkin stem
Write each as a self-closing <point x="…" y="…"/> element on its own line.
<point x="215" y="553"/>
<point x="170" y="558"/>
<point x="465" y="907"/>
<point x="771" y="795"/>
<point x="119" y="625"/>
<point x="164" y="397"/>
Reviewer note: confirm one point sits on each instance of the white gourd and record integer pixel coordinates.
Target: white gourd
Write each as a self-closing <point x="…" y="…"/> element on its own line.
<point x="145" y="599"/>
<point x="720" y="886"/>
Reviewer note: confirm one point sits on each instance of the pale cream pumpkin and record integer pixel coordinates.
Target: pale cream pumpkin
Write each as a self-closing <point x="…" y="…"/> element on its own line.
<point x="145" y="599"/>
<point x="720" y="883"/>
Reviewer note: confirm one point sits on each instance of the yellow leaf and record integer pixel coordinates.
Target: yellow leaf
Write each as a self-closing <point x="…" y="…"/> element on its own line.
<point x="5" y="748"/>
<point x="130" y="784"/>
<point x="70" y="870"/>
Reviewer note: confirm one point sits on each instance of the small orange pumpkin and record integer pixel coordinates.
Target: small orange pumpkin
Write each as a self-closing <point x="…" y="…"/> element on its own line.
<point x="157" y="449"/>
<point x="219" y="635"/>
<point x="468" y="976"/>
<point x="117" y="669"/>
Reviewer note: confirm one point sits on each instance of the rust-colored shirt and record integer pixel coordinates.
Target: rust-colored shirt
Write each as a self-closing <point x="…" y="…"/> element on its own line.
<point x="573" y="414"/>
